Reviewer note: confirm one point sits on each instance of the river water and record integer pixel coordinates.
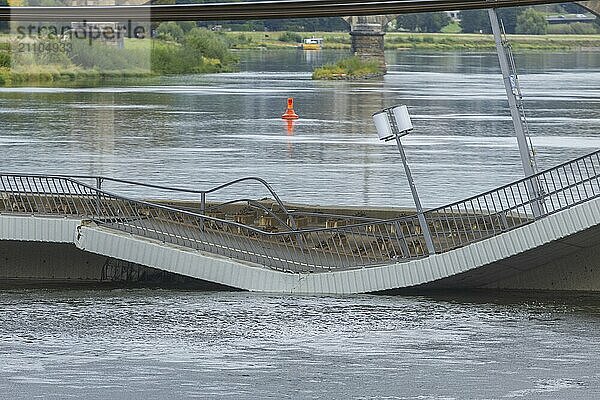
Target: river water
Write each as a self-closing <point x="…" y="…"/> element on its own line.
<point x="198" y="131"/>
<point x="154" y="344"/>
<point x="203" y="130"/>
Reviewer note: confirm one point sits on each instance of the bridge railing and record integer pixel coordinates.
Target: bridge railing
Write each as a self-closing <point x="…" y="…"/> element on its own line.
<point x="515" y="204"/>
<point x="202" y="195"/>
<point x="295" y="250"/>
<point x="344" y="245"/>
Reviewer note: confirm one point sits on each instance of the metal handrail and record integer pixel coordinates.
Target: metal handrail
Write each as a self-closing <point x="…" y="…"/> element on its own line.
<point x="349" y="245"/>
<point x="296" y="251"/>
<point x="120" y="197"/>
<point x="431" y="211"/>
<point x="537" y="175"/>
<point x="100" y="179"/>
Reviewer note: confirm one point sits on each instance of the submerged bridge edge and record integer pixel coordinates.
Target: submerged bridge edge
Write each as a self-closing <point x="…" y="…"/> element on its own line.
<point x="433" y="270"/>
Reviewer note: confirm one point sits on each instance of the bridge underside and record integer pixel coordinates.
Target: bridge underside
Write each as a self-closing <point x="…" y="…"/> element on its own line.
<point x="26" y="264"/>
<point x="559" y="252"/>
<point x="572" y="263"/>
<point x="569" y="264"/>
<point x="248" y="10"/>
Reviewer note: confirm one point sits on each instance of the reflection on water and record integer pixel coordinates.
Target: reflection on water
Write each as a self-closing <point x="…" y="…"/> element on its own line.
<point x="169" y="344"/>
<point x="198" y="131"/>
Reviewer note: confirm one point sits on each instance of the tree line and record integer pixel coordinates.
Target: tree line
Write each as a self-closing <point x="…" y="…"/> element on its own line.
<point x="526" y="20"/>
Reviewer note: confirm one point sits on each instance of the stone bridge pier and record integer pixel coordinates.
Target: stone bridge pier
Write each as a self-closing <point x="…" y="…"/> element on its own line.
<point x="368" y="33"/>
<point x="368" y="37"/>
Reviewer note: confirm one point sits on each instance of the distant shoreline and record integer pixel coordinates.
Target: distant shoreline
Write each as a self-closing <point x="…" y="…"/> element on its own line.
<point x="53" y="75"/>
<point x="420" y="41"/>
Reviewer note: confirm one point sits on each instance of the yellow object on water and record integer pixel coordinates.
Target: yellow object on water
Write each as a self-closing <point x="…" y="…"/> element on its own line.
<point x="312" y="44"/>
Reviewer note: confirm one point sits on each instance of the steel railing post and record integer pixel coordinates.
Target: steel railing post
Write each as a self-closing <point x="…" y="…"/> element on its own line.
<point x="98" y="199"/>
<point x="202" y="210"/>
<point x="420" y="215"/>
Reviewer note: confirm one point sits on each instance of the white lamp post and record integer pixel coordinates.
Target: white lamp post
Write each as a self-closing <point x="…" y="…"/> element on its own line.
<point x="393" y="123"/>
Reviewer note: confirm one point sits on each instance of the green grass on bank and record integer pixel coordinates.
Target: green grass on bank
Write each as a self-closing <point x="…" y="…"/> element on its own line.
<point x="55" y="74"/>
<point x="281" y="40"/>
<point x="418" y="41"/>
<point x="351" y="68"/>
<point x="83" y="63"/>
<point x="449" y="41"/>
<point x="453" y="27"/>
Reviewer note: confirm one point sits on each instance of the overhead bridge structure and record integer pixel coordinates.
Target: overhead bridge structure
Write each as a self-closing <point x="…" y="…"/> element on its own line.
<point x="367" y="18"/>
<point x="251" y="10"/>
<point x="63" y="229"/>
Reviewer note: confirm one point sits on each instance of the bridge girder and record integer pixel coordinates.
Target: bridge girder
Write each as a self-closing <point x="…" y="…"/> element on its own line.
<point x="251" y="10"/>
<point x="94" y="3"/>
<point x="593" y="6"/>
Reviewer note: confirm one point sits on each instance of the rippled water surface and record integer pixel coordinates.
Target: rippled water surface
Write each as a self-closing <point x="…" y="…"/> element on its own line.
<point x="198" y="131"/>
<point x="203" y="130"/>
<point x="155" y="344"/>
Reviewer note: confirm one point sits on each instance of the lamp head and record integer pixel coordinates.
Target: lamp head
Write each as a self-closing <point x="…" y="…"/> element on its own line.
<point x="391" y="122"/>
<point x="402" y="118"/>
<point x="383" y="125"/>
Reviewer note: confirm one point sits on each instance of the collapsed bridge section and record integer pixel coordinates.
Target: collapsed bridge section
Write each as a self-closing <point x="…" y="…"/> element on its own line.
<point x="277" y="249"/>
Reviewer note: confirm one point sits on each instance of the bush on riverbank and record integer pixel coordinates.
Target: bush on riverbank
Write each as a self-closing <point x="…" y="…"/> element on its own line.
<point x="102" y="57"/>
<point x="197" y="51"/>
<point x="171" y="60"/>
<point x="290" y="37"/>
<point x="350" y="69"/>
<point x="4" y="59"/>
<point x="170" y="31"/>
<point x="578" y="28"/>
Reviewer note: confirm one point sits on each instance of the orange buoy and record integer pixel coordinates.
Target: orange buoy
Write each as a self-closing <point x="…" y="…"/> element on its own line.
<point x="290" y="113"/>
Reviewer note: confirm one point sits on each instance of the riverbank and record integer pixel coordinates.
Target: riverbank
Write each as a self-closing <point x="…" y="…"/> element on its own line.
<point x="51" y="61"/>
<point x="56" y="75"/>
<point x="445" y="41"/>
<point x="416" y="41"/>
<point x="145" y="59"/>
